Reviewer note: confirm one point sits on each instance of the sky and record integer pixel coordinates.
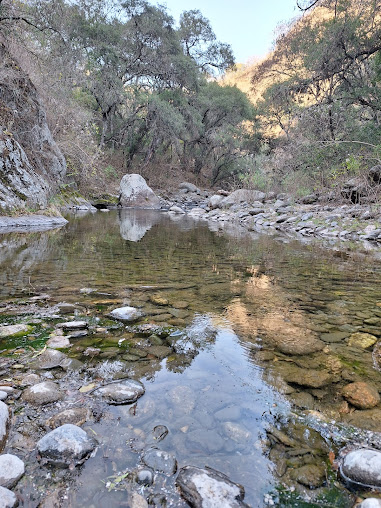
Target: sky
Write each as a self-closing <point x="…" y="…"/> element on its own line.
<point x="247" y="25"/>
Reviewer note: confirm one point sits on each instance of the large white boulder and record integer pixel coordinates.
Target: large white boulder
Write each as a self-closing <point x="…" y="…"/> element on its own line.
<point x="135" y="193"/>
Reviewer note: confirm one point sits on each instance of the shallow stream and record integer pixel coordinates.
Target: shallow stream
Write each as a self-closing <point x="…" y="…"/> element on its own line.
<point x="262" y="335"/>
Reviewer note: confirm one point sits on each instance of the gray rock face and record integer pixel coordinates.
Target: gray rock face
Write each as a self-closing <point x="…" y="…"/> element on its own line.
<point x="124" y="392"/>
<point x="126" y="314"/>
<point x="7" y="498"/>
<point x="135" y="193"/>
<point x="21" y="184"/>
<point x="160" y="460"/>
<point x="11" y="470"/>
<point x="4" y="423"/>
<point x="66" y="445"/>
<point x="42" y="393"/>
<point x="363" y="467"/>
<point x="206" y="488"/>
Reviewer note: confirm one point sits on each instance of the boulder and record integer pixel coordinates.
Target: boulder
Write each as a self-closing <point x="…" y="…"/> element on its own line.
<point x="361" y="395"/>
<point x="215" y="201"/>
<point x="124" y="392"/>
<point x="135" y="193"/>
<point x="242" y="195"/>
<point x="362" y="466"/>
<point x="11" y="470"/>
<point x="375" y="174"/>
<point x="67" y="445"/>
<point x="209" y="488"/>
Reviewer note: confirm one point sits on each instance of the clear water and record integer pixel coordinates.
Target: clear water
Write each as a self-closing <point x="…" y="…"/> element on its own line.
<point x="244" y="292"/>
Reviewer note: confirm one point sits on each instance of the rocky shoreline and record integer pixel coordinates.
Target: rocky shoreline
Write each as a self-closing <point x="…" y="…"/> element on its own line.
<point x="257" y="211"/>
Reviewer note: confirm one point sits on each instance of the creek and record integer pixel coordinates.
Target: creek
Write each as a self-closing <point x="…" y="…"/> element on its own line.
<point x="251" y="340"/>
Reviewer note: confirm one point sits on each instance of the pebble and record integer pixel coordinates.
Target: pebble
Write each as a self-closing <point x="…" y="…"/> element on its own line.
<point x="42" y="393"/>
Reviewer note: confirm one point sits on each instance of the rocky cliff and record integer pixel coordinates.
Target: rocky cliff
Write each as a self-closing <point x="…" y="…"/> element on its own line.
<point x="31" y="164"/>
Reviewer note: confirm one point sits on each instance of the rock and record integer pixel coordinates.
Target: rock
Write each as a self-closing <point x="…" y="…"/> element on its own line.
<point x="58" y="342"/>
<point x="334" y="336"/>
<point x="183" y="398"/>
<point x="361" y="340"/>
<point x="42" y="393"/>
<point x="303" y="400"/>
<point x="176" y="209"/>
<point x="371" y="502"/>
<point x="71" y="364"/>
<point x="11" y="470"/>
<point x="160" y="432"/>
<point x="369" y="419"/>
<point x="49" y="359"/>
<point x="144" y="477"/>
<point x="209" y="488"/>
<point x="10" y="331"/>
<point x="305" y="377"/>
<point x="126" y="314"/>
<point x="7" y="498"/>
<point x="189" y="187"/>
<point x="74" y="325"/>
<point x="208" y="440"/>
<point x="124" y="392"/>
<point x="229" y="413"/>
<point x="4" y="424"/>
<point x="310" y="475"/>
<point x="3" y="395"/>
<point x="135" y="193"/>
<point x="215" y="201"/>
<point x="242" y="195"/>
<point x="309" y="199"/>
<point x="296" y="345"/>
<point x="76" y="416"/>
<point x="236" y="432"/>
<point x="30" y="379"/>
<point x="362" y="466"/>
<point x="160" y="460"/>
<point x="138" y="501"/>
<point x="66" y="445"/>
<point x="361" y="395"/>
<point x="375" y="174"/>
<point x="158" y="300"/>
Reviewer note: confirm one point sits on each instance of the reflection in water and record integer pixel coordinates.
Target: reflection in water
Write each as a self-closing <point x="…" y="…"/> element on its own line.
<point x="134" y="224"/>
<point x="260" y="326"/>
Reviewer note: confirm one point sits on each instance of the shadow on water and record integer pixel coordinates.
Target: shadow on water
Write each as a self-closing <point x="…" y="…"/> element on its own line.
<point x="260" y="334"/>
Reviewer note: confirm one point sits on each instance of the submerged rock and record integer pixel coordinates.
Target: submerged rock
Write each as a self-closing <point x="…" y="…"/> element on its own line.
<point x="7" y="498"/>
<point x="363" y="467"/>
<point x="362" y="340"/>
<point x="126" y="314"/>
<point x="42" y="393"/>
<point x="209" y="488"/>
<point x="160" y="460"/>
<point x="124" y="392"/>
<point x="310" y="475"/>
<point x="361" y="395"/>
<point x="11" y="470"/>
<point x="305" y="377"/>
<point x="66" y="445"/>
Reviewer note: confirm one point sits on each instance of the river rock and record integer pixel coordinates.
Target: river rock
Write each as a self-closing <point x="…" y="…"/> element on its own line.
<point x="76" y="416"/>
<point x="135" y="193"/>
<point x="209" y="440"/>
<point x="242" y="195"/>
<point x="363" y="466"/>
<point x="371" y="502"/>
<point x="215" y="201"/>
<point x="159" y="432"/>
<point x="310" y="475"/>
<point x="362" y="340"/>
<point x="7" y="498"/>
<point x="305" y="377"/>
<point x="183" y="399"/>
<point x="14" y="330"/>
<point x="208" y="488"/>
<point x="236" y="432"/>
<point x="126" y="314"/>
<point x="144" y="476"/>
<point x="124" y="392"/>
<point x="58" y="342"/>
<point x="189" y="187"/>
<point x="42" y="393"/>
<point x="361" y="395"/>
<point x="11" y="470"/>
<point x="160" y="460"/>
<point x="4" y="423"/>
<point x="49" y="359"/>
<point x="306" y="345"/>
<point x="66" y="445"/>
<point x="74" y="325"/>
